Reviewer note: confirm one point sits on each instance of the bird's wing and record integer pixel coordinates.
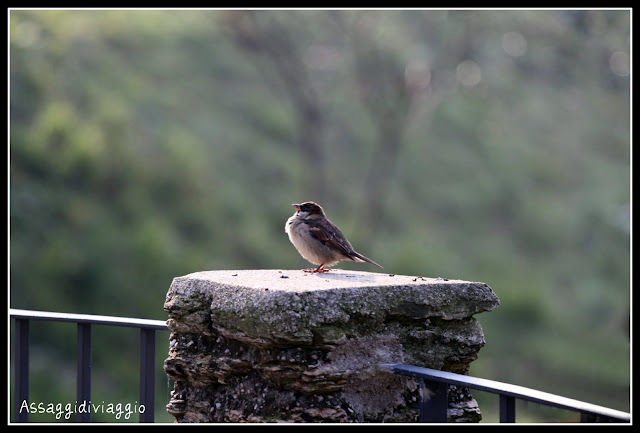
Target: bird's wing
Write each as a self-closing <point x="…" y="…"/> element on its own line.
<point x="327" y="233"/>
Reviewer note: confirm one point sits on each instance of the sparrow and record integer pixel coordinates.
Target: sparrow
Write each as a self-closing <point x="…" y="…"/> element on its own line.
<point x="318" y="240"/>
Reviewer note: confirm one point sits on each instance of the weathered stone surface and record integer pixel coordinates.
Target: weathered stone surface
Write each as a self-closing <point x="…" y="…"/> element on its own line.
<point x="284" y="345"/>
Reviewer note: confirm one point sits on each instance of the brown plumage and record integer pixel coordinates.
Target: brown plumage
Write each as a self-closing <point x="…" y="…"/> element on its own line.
<point x="318" y="240"/>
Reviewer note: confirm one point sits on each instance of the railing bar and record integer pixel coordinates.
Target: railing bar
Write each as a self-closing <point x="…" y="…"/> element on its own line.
<point x="147" y="373"/>
<point x="83" y="381"/>
<point x="433" y="382"/>
<point x="83" y="384"/>
<point x="516" y="391"/>
<point x="21" y="370"/>
<point x="433" y="402"/>
<point x="88" y="318"/>
<point x="507" y="409"/>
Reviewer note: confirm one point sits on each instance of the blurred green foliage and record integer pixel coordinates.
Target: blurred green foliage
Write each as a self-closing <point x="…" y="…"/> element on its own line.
<point x="489" y="146"/>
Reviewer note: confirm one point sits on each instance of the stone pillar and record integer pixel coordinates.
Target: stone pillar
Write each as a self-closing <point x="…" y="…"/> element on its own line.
<point x="290" y="346"/>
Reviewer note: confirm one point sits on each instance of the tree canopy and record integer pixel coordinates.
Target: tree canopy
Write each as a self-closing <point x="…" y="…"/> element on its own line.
<point x="483" y="145"/>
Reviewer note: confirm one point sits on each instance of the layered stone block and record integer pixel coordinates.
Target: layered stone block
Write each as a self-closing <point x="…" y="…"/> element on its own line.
<point x="290" y="346"/>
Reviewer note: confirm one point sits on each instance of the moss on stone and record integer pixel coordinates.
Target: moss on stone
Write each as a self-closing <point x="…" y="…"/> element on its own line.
<point x="251" y="346"/>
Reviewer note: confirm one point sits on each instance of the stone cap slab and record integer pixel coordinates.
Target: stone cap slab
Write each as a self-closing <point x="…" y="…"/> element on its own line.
<point x="275" y="306"/>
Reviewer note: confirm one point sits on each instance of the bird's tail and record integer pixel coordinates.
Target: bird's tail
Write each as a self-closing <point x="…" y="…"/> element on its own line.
<point x="357" y="257"/>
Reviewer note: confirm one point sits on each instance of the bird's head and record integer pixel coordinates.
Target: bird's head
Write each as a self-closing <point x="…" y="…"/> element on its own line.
<point x="308" y="209"/>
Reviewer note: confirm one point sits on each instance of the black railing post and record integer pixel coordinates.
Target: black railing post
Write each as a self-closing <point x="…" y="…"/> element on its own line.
<point x="508" y="394"/>
<point x="147" y="373"/>
<point x="83" y="382"/>
<point x="433" y="401"/>
<point x="507" y="409"/>
<point x="83" y="373"/>
<point x="434" y="384"/>
<point x="21" y="370"/>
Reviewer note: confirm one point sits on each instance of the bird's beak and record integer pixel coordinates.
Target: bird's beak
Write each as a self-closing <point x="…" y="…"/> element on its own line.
<point x="296" y="206"/>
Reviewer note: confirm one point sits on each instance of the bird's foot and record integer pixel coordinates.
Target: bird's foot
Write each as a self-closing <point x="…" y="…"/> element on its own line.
<point x="319" y="270"/>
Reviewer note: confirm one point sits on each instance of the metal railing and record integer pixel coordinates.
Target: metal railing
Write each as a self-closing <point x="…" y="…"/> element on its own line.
<point x="83" y="373"/>
<point x="434" y="386"/>
<point x="433" y="393"/>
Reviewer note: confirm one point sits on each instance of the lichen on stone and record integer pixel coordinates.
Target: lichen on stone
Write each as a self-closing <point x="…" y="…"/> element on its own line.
<point x="249" y="346"/>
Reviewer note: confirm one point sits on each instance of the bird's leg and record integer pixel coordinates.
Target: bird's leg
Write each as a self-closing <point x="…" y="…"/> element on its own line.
<point x="319" y="270"/>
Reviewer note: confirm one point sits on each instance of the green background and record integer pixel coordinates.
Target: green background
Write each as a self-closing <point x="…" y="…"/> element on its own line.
<point x="487" y="146"/>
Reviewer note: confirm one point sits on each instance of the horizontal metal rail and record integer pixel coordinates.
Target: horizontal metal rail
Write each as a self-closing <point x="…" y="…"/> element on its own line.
<point x="83" y="373"/>
<point x="88" y="318"/>
<point x="508" y="393"/>
<point x="433" y="383"/>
